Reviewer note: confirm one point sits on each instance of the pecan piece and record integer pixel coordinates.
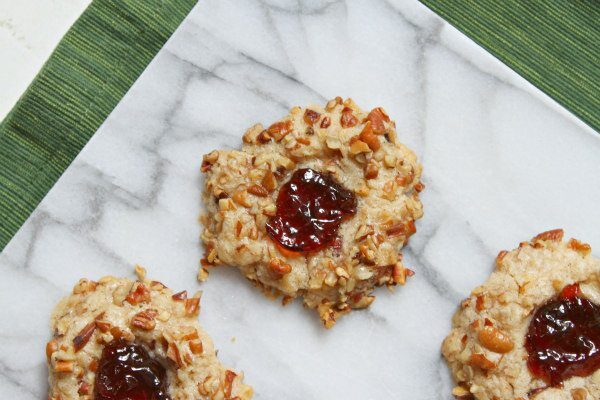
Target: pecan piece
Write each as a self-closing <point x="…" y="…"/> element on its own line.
<point x="401" y="228"/>
<point x="369" y="137"/>
<point x="494" y="340"/>
<point x="326" y="122"/>
<point x="579" y="394"/>
<point x="269" y="181"/>
<point x="377" y="116"/>
<point x="208" y="160"/>
<point x="144" y="320"/>
<point x="51" y="347"/>
<point x="479" y="360"/>
<point x="580" y="247"/>
<point x="180" y="296"/>
<point x="500" y="257"/>
<point x="84" y="388"/>
<point x="371" y="170"/>
<point x="139" y="293"/>
<point x="64" y="366"/>
<point x="358" y="146"/>
<point x="85" y="286"/>
<point x="84" y="336"/>
<point x="192" y="305"/>
<point x="348" y="120"/>
<point x="229" y="377"/>
<point x="174" y="355"/>
<point x="310" y="117"/>
<point x="258" y="191"/>
<point x="196" y="347"/>
<point x="277" y="268"/>
<point x="555" y="235"/>
<point x="280" y="129"/>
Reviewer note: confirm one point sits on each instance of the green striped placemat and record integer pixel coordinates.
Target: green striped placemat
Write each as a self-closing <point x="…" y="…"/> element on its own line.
<point x="92" y="68"/>
<point x="553" y="44"/>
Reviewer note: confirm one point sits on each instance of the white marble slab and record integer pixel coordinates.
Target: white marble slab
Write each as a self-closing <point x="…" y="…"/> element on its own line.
<point x="502" y="163"/>
<point x="29" y="32"/>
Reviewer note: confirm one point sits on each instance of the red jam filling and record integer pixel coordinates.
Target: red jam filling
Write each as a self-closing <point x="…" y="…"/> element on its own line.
<point x="310" y="209"/>
<point x="563" y="339"/>
<point x="127" y="372"/>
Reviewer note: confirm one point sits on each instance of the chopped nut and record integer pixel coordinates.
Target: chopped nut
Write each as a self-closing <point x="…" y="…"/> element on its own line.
<point x="241" y="198"/>
<point x="555" y="235"/>
<point x="363" y="191"/>
<point x="103" y="326"/>
<point x="286" y="163"/>
<point x="208" y="160"/>
<point x="144" y="320"/>
<point x="359" y="146"/>
<point x="363" y="231"/>
<point x="227" y="385"/>
<point x="269" y="182"/>
<point x="252" y="133"/>
<point x="460" y="393"/>
<point x="341" y="272"/>
<point x="258" y="191"/>
<point x="263" y="137"/>
<point x="389" y="161"/>
<point x="389" y="190"/>
<point x="580" y="247"/>
<point x="139" y="293"/>
<point x="369" y="137"/>
<point x="310" y="116"/>
<point x="180" y="296"/>
<point x="84" y="388"/>
<point x="479" y="360"/>
<point x="51" y="347"/>
<point x="371" y="170"/>
<point x="280" y="129"/>
<point x="226" y="205"/>
<point x="192" y="306"/>
<point x="277" y="268"/>
<point x="196" y="347"/>
<point x="202" y="274"/>
<point x="377" y="116"/>
<point x="64" y="366"/>
<point x="331" y="104"/>
<point x="84" y="336"/>
<point x="399" y="274"/>
<point x="500" y="257"/>
<point x="84" y="286"/>
<point x="401" y="228"/>
<point x="579" y="394"/>
<point x="494" y="340"/>
<point x="174" y="355"/>
<point x="363" y="301"/>
<point x="326" y="122"/>
<point x="347" y="119"/>
<point x="480" y="303"/>
<point x="140" y="272"/>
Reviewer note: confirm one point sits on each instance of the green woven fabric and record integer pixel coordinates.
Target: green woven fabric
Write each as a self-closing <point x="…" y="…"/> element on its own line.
<point x="91" y="69"/>
<point x="554" y="44"/>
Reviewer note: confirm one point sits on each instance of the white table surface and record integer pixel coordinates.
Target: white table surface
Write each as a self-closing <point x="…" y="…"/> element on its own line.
<point x="502" y="162"/>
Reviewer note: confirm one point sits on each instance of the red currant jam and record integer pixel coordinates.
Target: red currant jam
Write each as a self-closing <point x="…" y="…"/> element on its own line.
<point x="563" y="339"/>
<point x="127" y="372"/>
<point x="310" y="209"/>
